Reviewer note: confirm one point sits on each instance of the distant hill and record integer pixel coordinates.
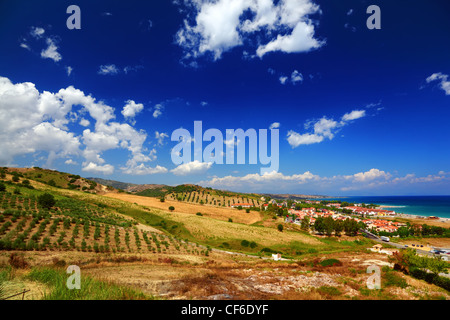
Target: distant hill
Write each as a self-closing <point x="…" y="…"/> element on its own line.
<point x="113" y="183"/>
<point x="295" y="196"/>
<point x="158" y="190"/>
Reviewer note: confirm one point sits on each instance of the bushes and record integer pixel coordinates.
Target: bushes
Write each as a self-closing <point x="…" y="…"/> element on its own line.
<point x="17" y="261"/>
<point x="430" y="278"/>
<point x="46" y="200"/>
<point x="330" y="262"/>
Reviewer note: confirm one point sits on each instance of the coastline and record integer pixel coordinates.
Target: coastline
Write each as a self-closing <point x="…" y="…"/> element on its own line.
<point x="439" y="221"/>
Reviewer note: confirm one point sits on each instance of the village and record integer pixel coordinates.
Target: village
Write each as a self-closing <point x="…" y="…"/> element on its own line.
<point x="358" y="212"/>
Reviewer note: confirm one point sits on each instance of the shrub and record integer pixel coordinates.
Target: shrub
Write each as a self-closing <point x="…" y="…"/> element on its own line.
<point x="199" y="214"/>
<point x="171" y="208"/>
<point x="245" y="243"/>
<point x="332" y="291"/>
<point x="280" y="227"/>
<point x="230" y="220"/>
<point x="330" y="262"/>
<point x="2" y="187"/>
<point x="17" y="261"/>
<point x="46" y="200"/>
<point x="394" y="280"/>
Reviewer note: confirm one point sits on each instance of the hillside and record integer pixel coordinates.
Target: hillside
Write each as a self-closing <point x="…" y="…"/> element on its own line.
<point x="174" y="249"/>
<point x="113" y="183"/>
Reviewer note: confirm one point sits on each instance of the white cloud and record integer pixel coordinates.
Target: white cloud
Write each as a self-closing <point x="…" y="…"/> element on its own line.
<point x="355" y="114"/>
<point x="372" y="174"/>
<point x="109" y="69"/>
<point x="442" y="79"/>
<point x="160" y="137"/>
<point x="106" y="169"/>
<point x="257" y="181"/>
<point x="25" y="46"/>
<point x="309" y="183"/>
<point x="349" y="12"/>
<point x="32" y="122"/>
<point x="158" y="111"/>
<point x="283" y="79"/>
<point x="71" y="162"/>
<point x="194" y="167"/>
<point x="219" y="26"/>
<point x="274" y="125"/>
<point x="300" y="40"/>
<point x="51" y="52"/>
<point x="145" y="170"/>
<point x="69" y="70"/>
<point x="295" y="139"/>
<point x="296" y="77"/>
<point x="131" y="109"/>
<point x="37" y="32"/>
<point x="323" y="128"/>
<point x="85" y="122"/>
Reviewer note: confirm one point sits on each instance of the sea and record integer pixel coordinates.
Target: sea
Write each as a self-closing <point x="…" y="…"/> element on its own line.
<point x="426" y="206"/>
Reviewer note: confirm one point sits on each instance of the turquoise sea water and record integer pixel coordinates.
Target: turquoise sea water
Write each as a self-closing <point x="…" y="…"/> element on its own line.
<point x="418" y="205"/>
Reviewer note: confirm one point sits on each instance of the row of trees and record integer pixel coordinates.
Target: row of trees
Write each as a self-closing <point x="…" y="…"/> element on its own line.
<point x="329" y="226"/>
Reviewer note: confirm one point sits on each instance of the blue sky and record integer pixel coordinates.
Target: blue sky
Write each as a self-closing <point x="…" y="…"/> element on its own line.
<point x="359" y="111"/>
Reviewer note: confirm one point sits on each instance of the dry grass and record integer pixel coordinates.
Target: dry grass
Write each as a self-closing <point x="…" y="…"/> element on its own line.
<point x="183" y="207"/>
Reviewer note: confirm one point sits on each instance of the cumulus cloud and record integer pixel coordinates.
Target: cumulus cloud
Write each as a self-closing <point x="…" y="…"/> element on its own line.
<point x="131" y="109"/>
<point x="71" y="162"/>
<point x="444" y="84"/>
<point x="216" y="27"/>
<point x="32" y="122"/>
<point x="190" y="168"/>
<point x="144" y="170"/>
<point x="307" y="182"/>
<point x="372" y="174"/>
<point x="91" y="167"/>
<point x="51" y="52"/>
<point x="295" y="139"/>
<point x="323" y="128"/>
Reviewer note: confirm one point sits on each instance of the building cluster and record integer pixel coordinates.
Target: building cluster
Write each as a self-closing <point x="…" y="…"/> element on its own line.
<point x="370" y="212"/>
<point x="366" y="215"/>
<point x="296" y="216"/>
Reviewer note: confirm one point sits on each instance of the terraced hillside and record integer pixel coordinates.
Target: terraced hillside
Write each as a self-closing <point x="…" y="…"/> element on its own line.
<point x="72" y="224"/>
<point x="214" y="197"/>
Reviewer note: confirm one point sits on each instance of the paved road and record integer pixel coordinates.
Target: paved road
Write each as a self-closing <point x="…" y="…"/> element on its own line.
<point x="396" y="245"/>
<point x="400" y="246"/>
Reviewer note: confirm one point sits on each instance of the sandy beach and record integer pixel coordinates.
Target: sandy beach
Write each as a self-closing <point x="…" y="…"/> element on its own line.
<point x="439" y="222"/>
